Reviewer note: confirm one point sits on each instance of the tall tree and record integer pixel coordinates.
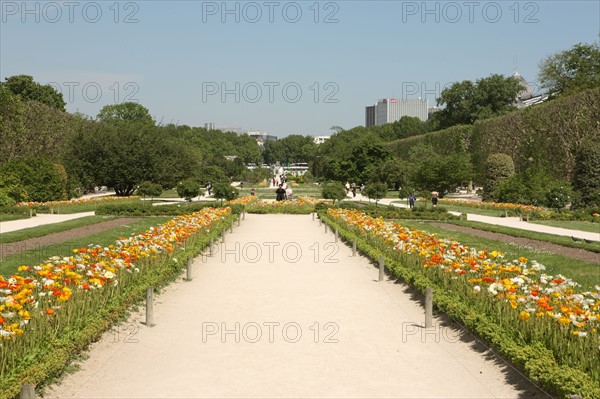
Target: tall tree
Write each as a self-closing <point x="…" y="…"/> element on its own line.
<point x="128" y="111"/>
<point x="572" y="70"/>
<point x="28" y="89"/>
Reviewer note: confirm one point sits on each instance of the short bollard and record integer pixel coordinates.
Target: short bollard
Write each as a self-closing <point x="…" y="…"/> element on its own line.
<point x="231" y="228"/>
<point x="27" y="391"/>
<point x="527" y="218"/>
<point x="313" y="216"/>
<point x="354" y="247"/>
<point x="30" y="212"/>
<point x="325" y="227"/>
<point x="336" y="234"/>
<point x="223" y="236"/>
<point x="505" y="213"/>
<point x="320" y="222"/>
<point x="210" y="248"/>
<point x="239" y="220"/>
<point x="150" y="307"/>
<point x="58" y="210"/>
<point x="52" y="210"/>
<point x="188" y="276"/>
<point x="244" y="215"/>
<point x="428" y="307"/>
<point x="381" y="267"/>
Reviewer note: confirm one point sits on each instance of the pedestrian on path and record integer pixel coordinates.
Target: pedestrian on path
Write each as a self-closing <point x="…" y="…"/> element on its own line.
<point x="280" y="193"/>
<point x="434" y="197"/>
<point x="411" y="200"/>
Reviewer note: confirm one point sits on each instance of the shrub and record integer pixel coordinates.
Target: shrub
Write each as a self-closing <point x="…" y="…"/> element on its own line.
<point x="586" y="178"/>
<point x="224" y="191"/>
<point x="498" y="168"/>
<point x="5" y="200"/>
<point x="149" y="189"/>
<point x="188" y="189"/>
<point x="334" y="191"/>
<point x="376" y="191"/>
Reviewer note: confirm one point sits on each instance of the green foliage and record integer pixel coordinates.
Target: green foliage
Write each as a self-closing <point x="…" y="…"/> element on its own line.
<point x="149" y="189"/>
<point x="572" y="70"/>
<point x="376" y="191"/>
<point x="225" y="191"/>
<point x="334" y="191"/>
<point x="6" y="200"/>
<point x="466" y="102"/>
<point x="25" y="87"/>
<point x="140" y="209"/>
<point x="36" y="179"/>
<point x="188" y="189"/>
<point x="433" y="172"/>
<point x="212" y="174"/>
<point x="125" y="112"/>
<point x="586" y="179"/>
<point x="498" y="167"/>
<point x="293" y="148"/>
<point x="558" y="197"/>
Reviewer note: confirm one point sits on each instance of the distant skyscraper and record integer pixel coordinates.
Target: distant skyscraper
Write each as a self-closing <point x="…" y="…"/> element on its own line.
<point x="209" y="126"/>
<point x="370" y="115"/>
<point x="390" y="110"/>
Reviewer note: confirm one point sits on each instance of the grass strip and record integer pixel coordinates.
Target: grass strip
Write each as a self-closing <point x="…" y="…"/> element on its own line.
<point x="552" y="238"/>
<point x="40" y="231"/>
<point x="571" y="225"/>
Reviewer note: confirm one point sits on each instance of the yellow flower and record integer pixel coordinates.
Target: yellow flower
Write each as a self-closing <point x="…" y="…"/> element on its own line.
<point x="524" y="315"/>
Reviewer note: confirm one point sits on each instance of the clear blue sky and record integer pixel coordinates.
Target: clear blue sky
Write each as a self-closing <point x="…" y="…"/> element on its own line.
<point x="177" y="57"/>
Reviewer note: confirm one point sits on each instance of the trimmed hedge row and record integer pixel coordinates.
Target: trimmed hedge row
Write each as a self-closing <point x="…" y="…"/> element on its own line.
<point x="535" y="360"/>
<point x="141" y="209"/>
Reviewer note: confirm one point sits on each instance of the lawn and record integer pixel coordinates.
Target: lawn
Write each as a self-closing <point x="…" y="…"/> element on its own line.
<point x="9" y="265"/>
<point x="46" y="229"/>
<point x="586" y="274"/>
<point x="7" y="217"/>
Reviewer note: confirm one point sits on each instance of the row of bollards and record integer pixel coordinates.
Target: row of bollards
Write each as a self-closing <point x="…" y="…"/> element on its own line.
<point x="428" y="290"/>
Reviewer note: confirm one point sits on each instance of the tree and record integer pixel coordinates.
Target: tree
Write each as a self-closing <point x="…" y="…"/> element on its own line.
<point x="586" y="175"/>
<point x="376" y="191"/>
<point x="572" y="70"/>
<point x="224" y="191"/>
<point x="466" y="102"/>
<point x="498" y="167"/>
<point x="149" y="189"/>
<point x="28" y="89"/>
<point x="334" y="191"/>
<point x="188" y="189"/>
<point x="128" y="111"/>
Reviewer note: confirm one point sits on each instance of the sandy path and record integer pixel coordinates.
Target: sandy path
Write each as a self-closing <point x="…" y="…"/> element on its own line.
<point x="368" y="344"/>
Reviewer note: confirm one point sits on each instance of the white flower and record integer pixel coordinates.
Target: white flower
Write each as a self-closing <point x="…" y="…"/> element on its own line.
<point x="476" y="289"/>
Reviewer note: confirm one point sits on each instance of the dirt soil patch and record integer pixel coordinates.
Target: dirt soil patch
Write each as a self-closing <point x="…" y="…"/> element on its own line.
<point x="63" y="236"/>
<point x="575" y="253"/>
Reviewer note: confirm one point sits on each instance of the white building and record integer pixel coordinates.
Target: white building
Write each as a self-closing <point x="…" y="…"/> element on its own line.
<point x="527" y="97"/>
<point x="390" y="110"/>
<point x="320" y="139"/>
<point x="261" y="137"/>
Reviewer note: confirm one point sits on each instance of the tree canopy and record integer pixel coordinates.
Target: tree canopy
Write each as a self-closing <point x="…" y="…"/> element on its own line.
<point x="25" y="87"/>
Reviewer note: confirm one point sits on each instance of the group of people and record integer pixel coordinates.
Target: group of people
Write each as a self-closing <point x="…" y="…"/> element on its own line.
<point x="412" y="199"/>
<point x="352" y="187"/>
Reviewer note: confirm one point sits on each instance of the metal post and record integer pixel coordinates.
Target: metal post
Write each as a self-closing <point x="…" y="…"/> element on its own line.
<point x="336" y="234"/>
<point x="231" y="228"/>
<point x="52" y="210"/>
<point x="325" y="227"/>
<point x="381" y="267"/>
<point x="30" y="212"/>
<point x="354" y="247"/>
<point x="313" y="215"/>
<point x="320" y="222"/>
<point x="244" y="215"/>
<point x="189" y="270"/>
<point x="428" y="307"/>
<point x="27" y="391"/>
<point x="239" y="220"/>
<point x="210" y="249"/>
<point x="150" y="307"/>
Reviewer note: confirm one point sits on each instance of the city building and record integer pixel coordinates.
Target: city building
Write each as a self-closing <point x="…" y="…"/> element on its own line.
<point x="209" y="126"/>
<point x="527" y="97"/>
<point x="320" y="139"/>
<point x="261" y="137"/>
<point x="390" y="110"/>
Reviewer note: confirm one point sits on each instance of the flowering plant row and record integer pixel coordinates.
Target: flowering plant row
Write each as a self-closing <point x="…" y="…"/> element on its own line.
<point x="75" y="201"/>
<point x="245" y="200"/>
<point x="517" y="294"/>
<point x="37" y="293"/>
<point x="300" y="205"/>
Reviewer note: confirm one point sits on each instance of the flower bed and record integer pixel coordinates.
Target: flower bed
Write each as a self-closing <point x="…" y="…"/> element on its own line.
<point x="63" y="297"/>
<point x="537" y="318"/>
<point x="77" y="201"/>
<point x="491" y="205"/>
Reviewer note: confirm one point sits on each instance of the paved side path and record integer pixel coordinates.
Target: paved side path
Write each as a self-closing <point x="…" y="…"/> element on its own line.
<point x="281" y="311"/>
<point x="40" y="219"/>
<point x="513" y="222"/>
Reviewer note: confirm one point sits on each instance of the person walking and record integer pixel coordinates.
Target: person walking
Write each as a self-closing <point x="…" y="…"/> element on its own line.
<point x="208" y="189"/>
<point x="280" y="193"/>
<point x="411" y="200"/>
<point x="434" y="198"/>
<point x="353" y="190"/>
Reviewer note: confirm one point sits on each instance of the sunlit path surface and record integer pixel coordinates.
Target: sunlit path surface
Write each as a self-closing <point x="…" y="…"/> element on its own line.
<point x="283" y="311"/>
